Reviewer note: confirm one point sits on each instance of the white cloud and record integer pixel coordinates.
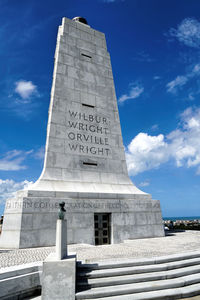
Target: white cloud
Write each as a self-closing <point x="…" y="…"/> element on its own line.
<point x="156" y="77"/>
<point x="143" y="57"/>
<point x="8" y="187"/>
<point x="144" y="183"/>
<point x="12" y="160"/>
<point x="182" y="145"/>
<point x="135" y="91"/>
<point x="187" y="32"/>
<point x="40" y="153"/>
<point x="154" y="127"/>
<point x="25" y="88"/>
<point x="181" y="80"/>
<point x="178" y="82"/>
<point x="145" y="152"/>
<point x="196" y="70"/>
<point x="191" y="96"/>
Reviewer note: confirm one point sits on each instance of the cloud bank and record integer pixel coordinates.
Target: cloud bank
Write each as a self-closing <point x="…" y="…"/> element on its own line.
<point x="187" y="32"/>
<point x="13" y="160"/>
<point x="146" y="152"/>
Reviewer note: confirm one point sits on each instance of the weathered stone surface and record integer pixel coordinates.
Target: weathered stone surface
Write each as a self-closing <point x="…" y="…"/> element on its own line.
<point x="61" y="239"/>
<point x="58" y="279"/>
<point x="80" y="128"/>
<point x="20" y="281"/>
<point x="131" y="218"/>
<point x="85" y="163"/>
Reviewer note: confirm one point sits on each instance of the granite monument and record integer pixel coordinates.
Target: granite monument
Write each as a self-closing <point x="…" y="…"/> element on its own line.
<point x="84" y="163"/>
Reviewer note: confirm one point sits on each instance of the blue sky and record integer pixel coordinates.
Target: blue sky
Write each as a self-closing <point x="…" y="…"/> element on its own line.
<point x="155" y="51"/>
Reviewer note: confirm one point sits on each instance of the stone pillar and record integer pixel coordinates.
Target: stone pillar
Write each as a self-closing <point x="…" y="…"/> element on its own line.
<point x="61" y="239"/>
<point x="59" y="269"/>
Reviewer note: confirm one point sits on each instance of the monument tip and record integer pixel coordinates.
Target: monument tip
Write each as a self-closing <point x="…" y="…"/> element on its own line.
<point x="80" y="19"/>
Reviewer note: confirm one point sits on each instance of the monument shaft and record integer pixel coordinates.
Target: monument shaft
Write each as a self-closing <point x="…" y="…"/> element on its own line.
<point x="85" y="162"/>
<point x="84" y="142"/>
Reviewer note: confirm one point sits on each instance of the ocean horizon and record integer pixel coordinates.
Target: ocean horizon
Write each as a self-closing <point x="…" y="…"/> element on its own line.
<point x="182" y="218"/>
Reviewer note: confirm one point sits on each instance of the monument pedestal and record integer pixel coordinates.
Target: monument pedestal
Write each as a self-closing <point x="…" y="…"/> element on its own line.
<point x="31" y="219"/>
<point x="59" y="278"/>
<point x="61" y="239"/>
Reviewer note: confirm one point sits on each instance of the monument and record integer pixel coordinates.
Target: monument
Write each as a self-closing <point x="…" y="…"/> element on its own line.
<point x="84" y="162"/>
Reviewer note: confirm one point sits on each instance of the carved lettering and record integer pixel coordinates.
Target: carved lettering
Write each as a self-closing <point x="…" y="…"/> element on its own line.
<point x="88" y="118"/>
<point x="71" y="136"/>
<point x="88" y="138"/>
<point x="73" y="147"/>
<point x="44" y="205"/>
<point x="89" y="150"/>
<point x="86" y="127"/>
<point x="73" y="114"/>
<point x="73" y="125"/>
<point x="97" y="137"/>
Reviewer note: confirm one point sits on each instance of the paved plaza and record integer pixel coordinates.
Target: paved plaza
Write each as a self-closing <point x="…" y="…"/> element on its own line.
<point x="178" y="242"/>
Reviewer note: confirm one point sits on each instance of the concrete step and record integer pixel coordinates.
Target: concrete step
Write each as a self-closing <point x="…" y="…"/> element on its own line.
<point x="167" y="294"/>
<point x="127" y="279"/>
<point x="144" y="287"/>
<point x="169" y="277"/>
<point x="99" y="273"/>
<point x="137" y="262"/>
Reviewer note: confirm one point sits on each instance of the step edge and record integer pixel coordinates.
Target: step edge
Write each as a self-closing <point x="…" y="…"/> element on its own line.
<point x="170" y="274"/>
<point x="137" y="270"/>
<point x="125" y="289"/>
<point x="187" y="291"/>
<point x="153" y="260"/>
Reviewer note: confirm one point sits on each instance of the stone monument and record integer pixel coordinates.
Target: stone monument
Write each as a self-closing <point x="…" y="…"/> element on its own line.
<point x="84" y="162"/>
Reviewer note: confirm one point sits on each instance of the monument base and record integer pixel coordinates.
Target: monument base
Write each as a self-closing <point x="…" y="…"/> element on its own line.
<point x="58" y="278"/>
<point x="92" y="218"/>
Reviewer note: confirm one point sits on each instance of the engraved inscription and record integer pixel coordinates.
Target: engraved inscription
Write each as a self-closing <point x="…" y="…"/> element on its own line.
<point x="88" y="134"/>
<point x="53" y="206"/>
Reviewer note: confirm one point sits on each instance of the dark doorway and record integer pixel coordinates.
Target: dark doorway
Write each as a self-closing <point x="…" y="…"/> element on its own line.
<point x="102" y="228"/>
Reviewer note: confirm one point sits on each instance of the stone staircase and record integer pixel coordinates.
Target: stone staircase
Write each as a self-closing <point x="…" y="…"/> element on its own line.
<point x="166" y="277"/>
